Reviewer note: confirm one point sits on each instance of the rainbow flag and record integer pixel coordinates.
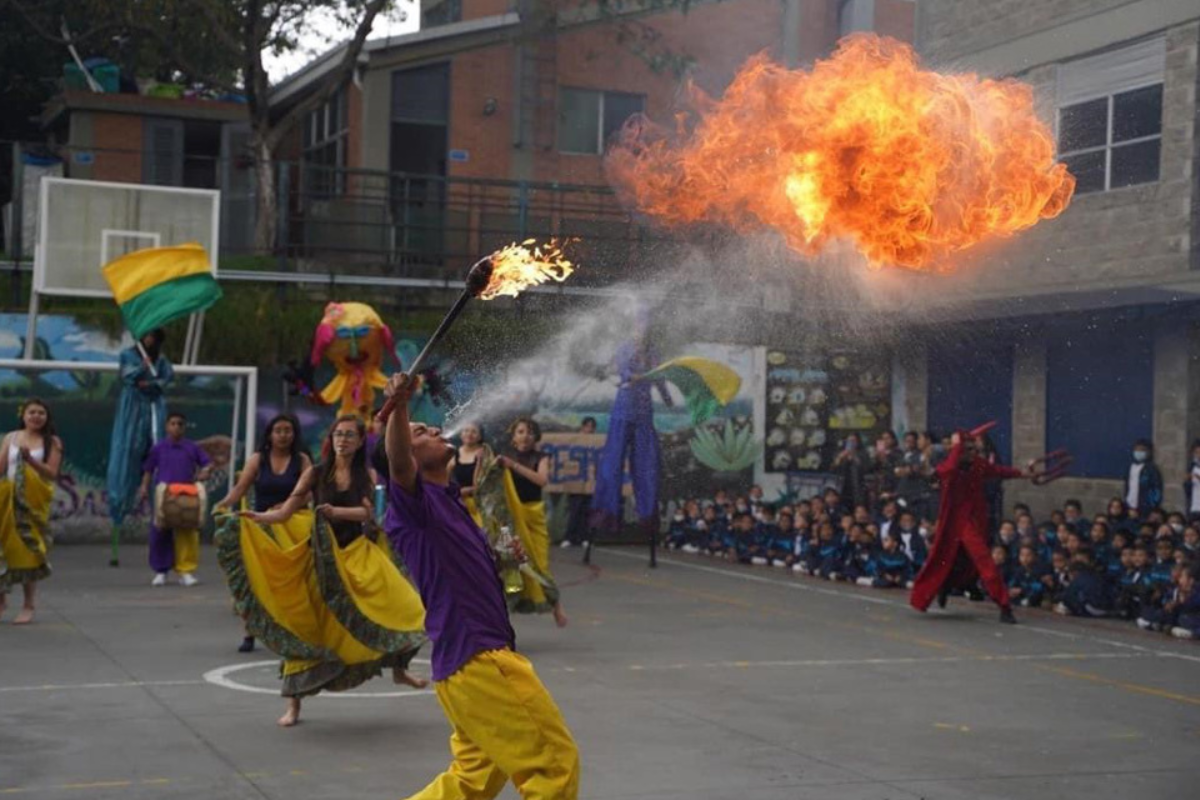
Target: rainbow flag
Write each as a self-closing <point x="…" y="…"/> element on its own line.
<point x="707" y="386"/>
<point x="159" y="284"/>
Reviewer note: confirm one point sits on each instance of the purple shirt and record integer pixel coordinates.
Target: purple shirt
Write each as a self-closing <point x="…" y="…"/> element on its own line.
<point x="175" y="462"/>
<point x="451" y="562"/>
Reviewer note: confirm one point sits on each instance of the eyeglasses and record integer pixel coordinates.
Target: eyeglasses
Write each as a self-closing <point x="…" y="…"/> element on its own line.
<point x="345" y="434"/>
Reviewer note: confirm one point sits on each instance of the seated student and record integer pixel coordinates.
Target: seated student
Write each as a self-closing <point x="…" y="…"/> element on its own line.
<point x="1003" y="563"/>
<point x="744" y="546"/>
<point x="766" y="530"/>
<point x="1177" y="523"/>
<point x="827" y="557"/>
<point x="1162" y="566"/>
<point x="1073" y="515"/>
<point x="1191" y="542"/>
<point x="1086" y="595"/>
<point x="860" y="557"/>
<point x="801" y="533"/>
<point x="680" y="530"/>
<point x="1026" y="586"/>
<point x="1133" y="588"/>
<point x="1007" y="537"/>
<point x="1070" y="540"/>
<point x="894" y="569"/>
<point x="1059" y="576"/>
<point x="1025" y="526"/>
<point x="1179" y="614"/>
<point x="1101" y="546"/>
<point x="701" y="532"/>
<point x="1114" y="567"/>
<point x="720" y="538"/>
<point x="888" y="517"/>
<point x="782" y="546"/>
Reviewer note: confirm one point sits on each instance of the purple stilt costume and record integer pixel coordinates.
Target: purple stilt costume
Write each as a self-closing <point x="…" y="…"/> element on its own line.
<point x="631" y="436"/>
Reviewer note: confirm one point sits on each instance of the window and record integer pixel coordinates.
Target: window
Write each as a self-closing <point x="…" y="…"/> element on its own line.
<point x="587" y="118"/>
<point x="1112" y="142"/>
<point x="444" y="12"/>
<point x="1110" y="115"/>
<point x="325" y="134"/>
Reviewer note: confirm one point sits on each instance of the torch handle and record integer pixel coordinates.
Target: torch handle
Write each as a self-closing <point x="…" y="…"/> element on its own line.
<point x="414" y="368"/>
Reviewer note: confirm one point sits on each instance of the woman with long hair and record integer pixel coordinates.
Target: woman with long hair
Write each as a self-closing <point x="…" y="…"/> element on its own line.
<point x="465" y="464"/>
<point x="140" y="422"/>
<point x="30" y="458"/>
<point x="335" y="606"/>
<point x="511" y="497"/>
<point x="273" y="472"/>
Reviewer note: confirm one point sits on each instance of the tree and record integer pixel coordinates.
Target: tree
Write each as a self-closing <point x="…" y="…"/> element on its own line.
<point x="218" y="44"/>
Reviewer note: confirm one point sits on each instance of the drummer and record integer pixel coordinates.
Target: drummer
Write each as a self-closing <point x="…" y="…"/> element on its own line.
<point x="174" y="460"/>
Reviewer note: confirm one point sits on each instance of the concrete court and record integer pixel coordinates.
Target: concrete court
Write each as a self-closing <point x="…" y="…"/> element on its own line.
<point x="696" y="680"/>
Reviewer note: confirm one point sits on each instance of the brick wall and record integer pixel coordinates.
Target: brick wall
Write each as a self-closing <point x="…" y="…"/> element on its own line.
<point x="895" y="18"/>
<point x="475" y="77"/>
<point x="122" y="135"/>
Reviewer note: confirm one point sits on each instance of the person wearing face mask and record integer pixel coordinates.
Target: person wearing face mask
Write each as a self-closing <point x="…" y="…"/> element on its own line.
<point x="1191" y="483"/>
<point x="1144" y="484"/>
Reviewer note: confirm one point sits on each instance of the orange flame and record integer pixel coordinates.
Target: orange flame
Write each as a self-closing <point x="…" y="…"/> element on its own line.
<point x="908" y="164"/>
<point x="518" y="266"/>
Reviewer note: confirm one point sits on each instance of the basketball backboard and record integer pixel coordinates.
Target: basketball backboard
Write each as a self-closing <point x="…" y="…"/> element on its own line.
<point x="82" y="225"/>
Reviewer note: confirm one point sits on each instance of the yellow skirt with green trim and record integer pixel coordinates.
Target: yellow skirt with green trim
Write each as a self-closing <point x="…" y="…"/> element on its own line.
<point x="337" y="615"/>
<point x="24" y="527"/>
<point x="540" y="593"/>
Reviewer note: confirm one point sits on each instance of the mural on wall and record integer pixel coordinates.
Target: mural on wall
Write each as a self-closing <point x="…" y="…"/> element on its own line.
<point x="815" y="398"/>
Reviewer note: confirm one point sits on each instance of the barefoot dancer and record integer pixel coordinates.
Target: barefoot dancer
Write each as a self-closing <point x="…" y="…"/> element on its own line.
<point x="29" y="459"/>
<point x="505" y="724"/>
<point x="334" y="604"/>
<point x="274" y="472"/>
<point x="960" y="549"/>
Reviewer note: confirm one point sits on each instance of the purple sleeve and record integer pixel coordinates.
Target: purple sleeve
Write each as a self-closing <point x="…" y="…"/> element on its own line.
<point x="201" y="457"/>
<point x="151" y="462"/>
<point x="408" y="508"/>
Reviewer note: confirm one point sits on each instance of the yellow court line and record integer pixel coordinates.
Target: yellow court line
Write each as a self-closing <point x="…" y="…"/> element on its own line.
<point x="934" y="644"/>
<point x="1127" y="686"/>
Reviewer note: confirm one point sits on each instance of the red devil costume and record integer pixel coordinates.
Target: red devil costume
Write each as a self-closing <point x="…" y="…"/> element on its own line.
<point x="961" y="554"/>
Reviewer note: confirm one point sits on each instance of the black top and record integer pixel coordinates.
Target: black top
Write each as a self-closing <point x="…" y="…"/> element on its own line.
<point x="527" y="490"/>
<point x="464" y="473"/>
<point x="345" y="532"/>
<point x="270" y="489"/>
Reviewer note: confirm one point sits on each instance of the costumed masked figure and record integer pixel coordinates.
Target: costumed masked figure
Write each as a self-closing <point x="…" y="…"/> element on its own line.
<point x="140" y="421"/>
<point x="29" y="460"/>
<point x="632" y="437"/>
<point x="325" y="594"/>
<point x="960" y="554"/>
<point x="355" y="340"/>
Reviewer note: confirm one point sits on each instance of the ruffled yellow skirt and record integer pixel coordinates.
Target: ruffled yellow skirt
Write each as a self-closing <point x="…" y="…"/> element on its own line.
<point x="540" y="593"/>
<point x="337" y="615"/>
<point x="24" y="528"/>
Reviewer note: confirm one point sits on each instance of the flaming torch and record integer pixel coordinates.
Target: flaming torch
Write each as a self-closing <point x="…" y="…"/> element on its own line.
<point x="505" y="273"/>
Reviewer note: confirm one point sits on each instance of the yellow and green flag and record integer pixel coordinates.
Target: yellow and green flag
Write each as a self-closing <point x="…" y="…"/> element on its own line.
<point x="707" y="386"/>
<point x="159" y="284"/>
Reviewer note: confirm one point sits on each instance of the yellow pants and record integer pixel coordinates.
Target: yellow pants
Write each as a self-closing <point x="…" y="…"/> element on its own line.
<point x="505" y="725"/>
<point x="187" y="551"/>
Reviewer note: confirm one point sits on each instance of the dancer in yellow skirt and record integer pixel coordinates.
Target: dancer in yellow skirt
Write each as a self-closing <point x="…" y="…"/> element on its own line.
<point x="464" y="467"/>
<point x="528" y="471"/>
<point x="274" y="472"/>
<point x="330" y="600"/>
<point x="29" y="460"/>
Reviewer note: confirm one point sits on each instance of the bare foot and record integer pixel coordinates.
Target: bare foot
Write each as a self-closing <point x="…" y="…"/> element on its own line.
<point x="25" y="617"/>
<point x="292" y="715"/>
<point x="560" y="616"/>
<point x="405" y="678"/>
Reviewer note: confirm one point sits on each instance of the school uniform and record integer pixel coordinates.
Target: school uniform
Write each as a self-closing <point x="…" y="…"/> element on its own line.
<point x="1133" y="591"/>
<point x="892" y="570"/>
<point x="1029" y="581"/>
<point x="1087" y="596"/>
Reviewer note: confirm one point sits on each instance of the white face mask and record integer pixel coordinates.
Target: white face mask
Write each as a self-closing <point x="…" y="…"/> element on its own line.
<point x="1139" y="456"/>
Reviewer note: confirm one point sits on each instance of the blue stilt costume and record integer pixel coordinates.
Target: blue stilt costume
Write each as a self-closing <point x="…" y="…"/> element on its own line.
<point x="140" y="422"/>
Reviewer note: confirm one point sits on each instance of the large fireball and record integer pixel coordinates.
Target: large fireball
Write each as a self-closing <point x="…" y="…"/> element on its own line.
<point x="907" y="164"/>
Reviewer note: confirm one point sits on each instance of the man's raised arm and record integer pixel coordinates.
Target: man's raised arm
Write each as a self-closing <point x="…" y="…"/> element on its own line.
<point x="398" y="436"/>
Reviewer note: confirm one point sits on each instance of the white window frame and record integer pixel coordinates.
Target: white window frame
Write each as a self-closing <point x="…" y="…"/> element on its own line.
<point x="1109" y="144"/>
<point x="599" y="151"/>
<point x="320" y="138"/>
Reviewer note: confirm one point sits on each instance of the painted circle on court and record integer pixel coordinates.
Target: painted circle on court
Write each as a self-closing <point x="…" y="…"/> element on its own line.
<point x="221" y="676"/>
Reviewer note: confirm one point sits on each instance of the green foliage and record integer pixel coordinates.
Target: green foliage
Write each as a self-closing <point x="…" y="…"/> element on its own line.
<point x="727" y="449"/>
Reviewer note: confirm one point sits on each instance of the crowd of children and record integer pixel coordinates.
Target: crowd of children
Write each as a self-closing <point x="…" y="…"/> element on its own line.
<point x="1116" y="564"/>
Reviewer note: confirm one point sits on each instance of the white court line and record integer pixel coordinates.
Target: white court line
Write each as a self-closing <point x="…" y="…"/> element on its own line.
<point x="220" y="677"/>
<point x="758" y="579"/>
<point x="903" y="660"/>
<point x="803" y="587"/>
<point x="57" y="687"/>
